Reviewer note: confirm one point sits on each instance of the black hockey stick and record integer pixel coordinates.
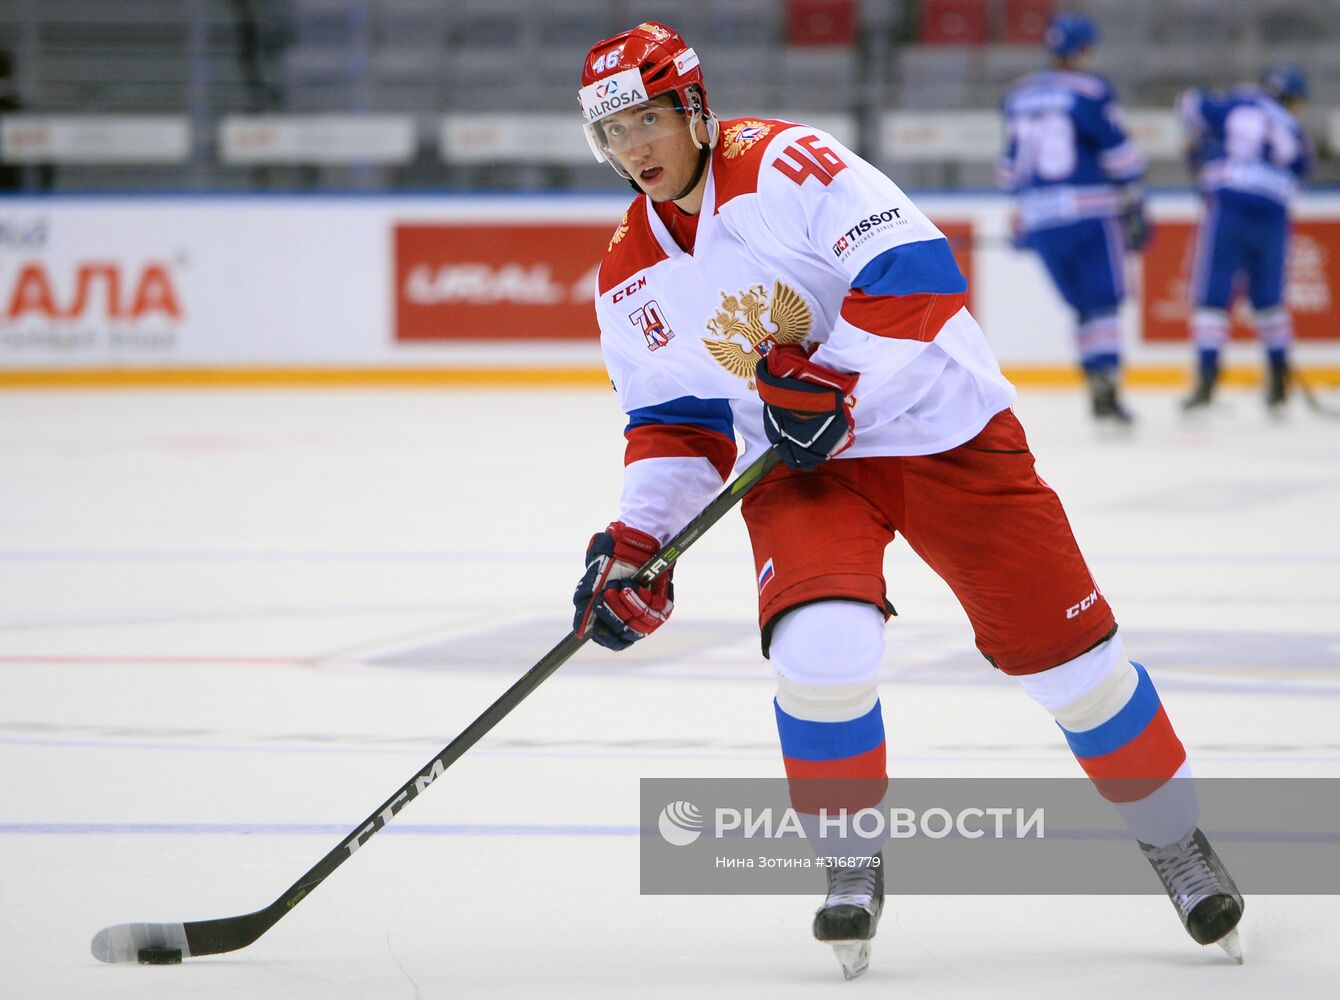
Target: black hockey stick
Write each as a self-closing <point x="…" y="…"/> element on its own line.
<point x="170" y="943"/>
<point x="1310" y="397"/>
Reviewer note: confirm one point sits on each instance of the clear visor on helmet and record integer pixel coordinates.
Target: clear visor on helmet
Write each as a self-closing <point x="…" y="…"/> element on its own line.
<point x="626" y="129"/>
<point x="635" y="136"/>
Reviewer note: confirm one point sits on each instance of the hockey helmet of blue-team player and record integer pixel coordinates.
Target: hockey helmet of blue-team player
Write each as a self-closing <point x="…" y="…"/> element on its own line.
<point x="1285" y="82"/>
<point x="1069" y="33"/>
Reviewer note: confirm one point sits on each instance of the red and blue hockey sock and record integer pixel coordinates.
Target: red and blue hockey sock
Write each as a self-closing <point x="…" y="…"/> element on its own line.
<point x="834" y="765"/>
<point x="1134" y="750"/>
<point x="1115" y="723"/>
<point x="827" y="656"/>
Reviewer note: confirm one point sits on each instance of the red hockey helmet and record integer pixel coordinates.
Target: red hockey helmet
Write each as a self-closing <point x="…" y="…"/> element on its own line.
<point x="632" y="68"/>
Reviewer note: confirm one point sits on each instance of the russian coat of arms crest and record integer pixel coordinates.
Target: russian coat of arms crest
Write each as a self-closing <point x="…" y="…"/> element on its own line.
<point x="743" y="335"/>
<point x="620" y="232"/>
<point x="740" y="136"/>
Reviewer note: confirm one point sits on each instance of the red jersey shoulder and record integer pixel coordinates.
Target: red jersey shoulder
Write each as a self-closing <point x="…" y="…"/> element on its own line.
<point x="738" y="157"/>
<point x="633" y="248"/>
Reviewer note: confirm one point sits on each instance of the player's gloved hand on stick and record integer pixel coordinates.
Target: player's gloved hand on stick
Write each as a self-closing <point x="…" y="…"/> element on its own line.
<point x="610" y="606"/>
<point x="1135" y="225"/>
<point x="806" y="407"/>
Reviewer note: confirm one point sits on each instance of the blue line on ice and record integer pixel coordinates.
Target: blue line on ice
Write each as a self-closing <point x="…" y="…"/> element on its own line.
<point x="324" y="829"/>
<point x="536" y="830"/>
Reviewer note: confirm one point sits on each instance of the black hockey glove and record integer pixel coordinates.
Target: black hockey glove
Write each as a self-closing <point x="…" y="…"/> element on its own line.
<point x="806" y="407"/>
<point x="1135" y="225"/>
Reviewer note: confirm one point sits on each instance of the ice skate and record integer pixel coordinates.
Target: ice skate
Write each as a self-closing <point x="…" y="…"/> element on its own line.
<point x="1107" y="405"/>
<point x="1277" y="387"/>
<point x="1201" y="889"/>
<point x="1201" y="396"/>
<point x="850" y="913"/>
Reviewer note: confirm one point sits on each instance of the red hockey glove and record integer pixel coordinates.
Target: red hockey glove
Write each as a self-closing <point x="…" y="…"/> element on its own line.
<point x="610" y="606"/>
<point x="806" y="407"/>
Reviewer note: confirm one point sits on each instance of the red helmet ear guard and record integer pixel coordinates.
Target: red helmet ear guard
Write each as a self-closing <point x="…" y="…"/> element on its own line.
<point x="660" y="54"/>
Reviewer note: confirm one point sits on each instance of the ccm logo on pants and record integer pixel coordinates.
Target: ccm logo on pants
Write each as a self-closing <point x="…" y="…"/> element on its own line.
<point x="1082" y="606"/>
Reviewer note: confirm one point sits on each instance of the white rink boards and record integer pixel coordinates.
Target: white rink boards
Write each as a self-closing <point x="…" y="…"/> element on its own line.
<point x="232" y="623"/>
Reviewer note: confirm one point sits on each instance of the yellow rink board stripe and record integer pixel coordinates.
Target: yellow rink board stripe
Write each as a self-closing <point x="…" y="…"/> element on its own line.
<point x="1025" y="376"/>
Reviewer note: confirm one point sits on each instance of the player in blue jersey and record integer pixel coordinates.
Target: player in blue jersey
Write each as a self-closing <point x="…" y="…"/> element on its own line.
<point x="1076" y="173"/>
<point x="1249" y="153"/>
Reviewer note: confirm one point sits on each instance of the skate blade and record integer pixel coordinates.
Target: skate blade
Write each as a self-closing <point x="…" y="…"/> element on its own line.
<point x="1113" y="430"/>
<point x="1232" y="944"/>
<point x="1206" y="412"/>
<point x="853" y="956"/>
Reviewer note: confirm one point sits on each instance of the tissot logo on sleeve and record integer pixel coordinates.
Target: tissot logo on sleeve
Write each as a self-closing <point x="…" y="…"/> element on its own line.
<point x="875" y="220"/>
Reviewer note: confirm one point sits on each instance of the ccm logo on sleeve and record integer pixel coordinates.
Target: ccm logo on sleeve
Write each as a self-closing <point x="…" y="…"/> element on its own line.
<point x="630" y="288"/>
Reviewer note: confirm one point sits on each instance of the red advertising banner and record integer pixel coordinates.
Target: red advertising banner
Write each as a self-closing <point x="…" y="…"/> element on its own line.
<point x="1312" y="283"/>
<point x="526" y="282"/>
<point x="497" y="282"/>
<point x="960" y="237"/>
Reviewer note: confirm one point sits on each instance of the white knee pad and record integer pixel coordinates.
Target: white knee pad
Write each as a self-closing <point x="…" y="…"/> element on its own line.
<point x="826" y="656"/>
<point x="1088" y="690"/>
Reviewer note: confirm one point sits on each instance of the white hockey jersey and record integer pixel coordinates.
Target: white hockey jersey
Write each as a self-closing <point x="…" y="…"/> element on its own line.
<point x="798" y="241"/>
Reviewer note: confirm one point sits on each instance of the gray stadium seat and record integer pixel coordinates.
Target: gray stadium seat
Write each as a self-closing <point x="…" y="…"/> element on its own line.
<point x="1003" y="64"/>
<point x="935" y="76"/>
<point x="1198" y="22"/>
<point x="817" y="79"/>
<point x="689" y="17"/>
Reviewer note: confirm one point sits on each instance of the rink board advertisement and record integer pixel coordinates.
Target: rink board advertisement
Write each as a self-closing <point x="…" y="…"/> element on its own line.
<point x="935" y="836"/>
<point x="297" y="283"/>
<point x="464" y="282"/>
<point x="1312" y="279"/>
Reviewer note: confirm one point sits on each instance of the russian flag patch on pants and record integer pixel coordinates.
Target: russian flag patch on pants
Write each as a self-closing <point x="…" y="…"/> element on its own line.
<point x="765" y="575"/>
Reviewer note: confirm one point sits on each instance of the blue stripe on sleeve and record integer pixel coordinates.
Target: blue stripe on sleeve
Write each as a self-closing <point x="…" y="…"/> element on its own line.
<point x="804" y="740"/>
<point x="1123" y="727"/>
<point x="913" y="269"/>
<point x="710" y="414"/>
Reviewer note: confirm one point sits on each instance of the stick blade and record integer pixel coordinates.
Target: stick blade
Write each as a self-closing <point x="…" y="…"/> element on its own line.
<point x="122" y="942"/>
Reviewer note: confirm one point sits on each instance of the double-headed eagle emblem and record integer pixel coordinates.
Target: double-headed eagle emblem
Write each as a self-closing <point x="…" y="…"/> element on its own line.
<point x="619" y="233"/>
<point x="740" y="136"/>
<point x="741" y="319"/>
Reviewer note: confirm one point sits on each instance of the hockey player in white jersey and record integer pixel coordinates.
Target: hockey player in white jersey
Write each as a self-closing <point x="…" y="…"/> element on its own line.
<point x="768" y="282"/>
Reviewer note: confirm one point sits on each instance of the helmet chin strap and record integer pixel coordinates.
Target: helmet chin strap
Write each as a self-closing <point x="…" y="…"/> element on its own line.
<point x="704" y="154"/>
<point x="709" y="121"/>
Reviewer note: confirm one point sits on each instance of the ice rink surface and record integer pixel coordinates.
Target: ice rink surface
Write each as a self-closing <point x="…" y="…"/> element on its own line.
<point x="232" y="623"/>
